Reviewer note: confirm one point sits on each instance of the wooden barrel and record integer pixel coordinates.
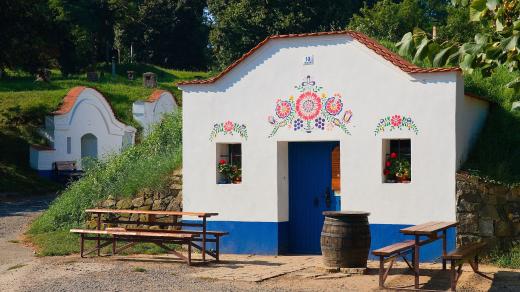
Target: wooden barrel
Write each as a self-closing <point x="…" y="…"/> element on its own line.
<point x="345" y="239"/>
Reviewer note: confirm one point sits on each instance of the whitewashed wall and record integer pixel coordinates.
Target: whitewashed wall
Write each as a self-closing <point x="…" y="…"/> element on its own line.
<point x="90" y="114"/>
<point x="148" y="113"/>
<point x="371" y="87"/>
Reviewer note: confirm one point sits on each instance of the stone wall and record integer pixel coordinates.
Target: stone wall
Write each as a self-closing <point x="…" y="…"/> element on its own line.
<point x="167" y="199"/>
<point x="487" y="212"/>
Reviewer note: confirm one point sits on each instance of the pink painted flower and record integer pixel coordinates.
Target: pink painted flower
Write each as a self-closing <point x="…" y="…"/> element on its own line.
<point x="308" y="105"/>
<point x="396" y="120"/>
<point x="283" y="109"/>
<point x="334" y="105"/>
<point x="228" y="126"/>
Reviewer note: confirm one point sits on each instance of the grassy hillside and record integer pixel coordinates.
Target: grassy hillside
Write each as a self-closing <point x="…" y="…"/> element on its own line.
<point x="24" y="104"/>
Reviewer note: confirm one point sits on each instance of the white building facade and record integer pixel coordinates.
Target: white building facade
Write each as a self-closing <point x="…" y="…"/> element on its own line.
<point x="282" y="110"/>
<point x="151" y="111"/>
<point x="84" y="126"/>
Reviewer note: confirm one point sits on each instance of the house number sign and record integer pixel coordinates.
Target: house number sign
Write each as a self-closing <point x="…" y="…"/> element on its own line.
<point x="308" y="60"/>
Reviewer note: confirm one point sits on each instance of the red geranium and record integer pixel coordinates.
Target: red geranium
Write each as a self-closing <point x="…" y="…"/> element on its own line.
<point x="386" y="172"/>
<point x="388" y="164"/>
<point x="393" y="155"/>
<point x="222" y="161"/>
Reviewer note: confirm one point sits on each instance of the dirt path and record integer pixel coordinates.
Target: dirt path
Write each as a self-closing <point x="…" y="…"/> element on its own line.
<point x="14" y="217"/>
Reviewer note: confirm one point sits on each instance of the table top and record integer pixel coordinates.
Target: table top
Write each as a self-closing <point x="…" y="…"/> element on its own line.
<point x="428" y="228"/>
<point x="149" y="212"/>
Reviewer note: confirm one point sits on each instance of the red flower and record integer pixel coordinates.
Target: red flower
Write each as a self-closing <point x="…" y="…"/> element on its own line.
<point x="308" y="106"/>
<point x="393" y="155"/>
<point x="222" y="161"/>
<point x="396" y="120"/>
<point x="228" y="126"/>
<point x="388" y="164"/>
<point x="386" y="172"/>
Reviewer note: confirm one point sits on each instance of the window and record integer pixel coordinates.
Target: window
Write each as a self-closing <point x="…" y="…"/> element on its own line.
<point x="397" y="161"/>
<point x="229" y="163"/>
<point x="69" y="145"/>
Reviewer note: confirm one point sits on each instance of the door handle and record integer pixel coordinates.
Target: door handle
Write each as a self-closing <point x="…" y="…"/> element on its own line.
<point x="327" y="197"/>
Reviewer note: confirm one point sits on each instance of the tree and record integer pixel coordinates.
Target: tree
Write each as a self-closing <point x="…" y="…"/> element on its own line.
<point x="26" y="35"/>
<point x="496" y="44"/>
<point x="171" y="33"/>
<point x="238" y="25"/>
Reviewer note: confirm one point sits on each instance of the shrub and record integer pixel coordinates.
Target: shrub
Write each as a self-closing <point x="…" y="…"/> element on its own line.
<point x="145" y="165"/>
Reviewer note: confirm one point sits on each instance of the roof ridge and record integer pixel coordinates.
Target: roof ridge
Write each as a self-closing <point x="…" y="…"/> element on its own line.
<point x="370" y="43"/>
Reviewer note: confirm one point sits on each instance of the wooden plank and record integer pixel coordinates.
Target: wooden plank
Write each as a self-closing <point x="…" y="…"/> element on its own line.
<point x="336" y="173"/>
<point x="149" y="212"/>
<point x="394" y="248"/>
<point x="428" y="228"/>
<point x="196" y="232"/>
<point x="132" y="233"/>
<point x="464" y="251"/>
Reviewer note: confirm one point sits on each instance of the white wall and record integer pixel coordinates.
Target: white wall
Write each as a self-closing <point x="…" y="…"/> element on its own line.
<point x="92" y="114"/>
<point x="471" y="117"/>
<point x="371" y="87"/>
<point x="150" y="113"/>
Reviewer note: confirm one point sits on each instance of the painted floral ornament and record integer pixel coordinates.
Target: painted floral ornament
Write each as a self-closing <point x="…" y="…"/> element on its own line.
<point x="396" y="122"/>
<point x="228" y="128"/>
<point x="311" y="110"/>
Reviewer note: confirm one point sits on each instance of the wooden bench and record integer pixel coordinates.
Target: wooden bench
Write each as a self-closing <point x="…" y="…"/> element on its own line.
<point x="66" y="169"/>
<point x="160" y="238"/>
<point x="391" y="253"/>
<point x="197" y="237"/>
<point x="468" y="253"/>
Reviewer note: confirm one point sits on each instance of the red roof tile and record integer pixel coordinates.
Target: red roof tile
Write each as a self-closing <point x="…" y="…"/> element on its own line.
<point x="360" y="37"/>
<point x="155" y="95"/>
<point x="69" y="100"/>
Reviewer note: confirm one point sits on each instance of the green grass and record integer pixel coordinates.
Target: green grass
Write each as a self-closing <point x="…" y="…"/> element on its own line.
<point x="139" y="269"/>
<point x="24" y="104"/>
<point x="506" y="259"/>
<point x="144" y="165"/>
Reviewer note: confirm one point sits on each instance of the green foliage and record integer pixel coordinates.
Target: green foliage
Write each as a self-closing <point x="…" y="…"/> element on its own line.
<point x="170" y="33"/>
<point x="506" y="259"/>
<point x="239" y="25"/>
<point x="388" y="19"/>
<point x="26" y="35"/>
<point x="495" y="44"/>
<point x="145" y="165"/>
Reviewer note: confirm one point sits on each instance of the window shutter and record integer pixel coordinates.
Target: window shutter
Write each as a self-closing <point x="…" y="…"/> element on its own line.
<point x="336" y="175"/>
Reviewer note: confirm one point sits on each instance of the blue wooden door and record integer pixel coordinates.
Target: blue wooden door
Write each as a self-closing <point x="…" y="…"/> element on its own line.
<point x="309" y="193"/>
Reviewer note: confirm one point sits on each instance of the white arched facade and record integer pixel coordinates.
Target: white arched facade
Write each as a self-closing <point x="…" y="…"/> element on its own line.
<point x="84" y="125"/>
<point x="151" y="111"/>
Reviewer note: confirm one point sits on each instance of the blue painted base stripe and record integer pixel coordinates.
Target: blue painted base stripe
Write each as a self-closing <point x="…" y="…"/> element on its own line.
<point x="272" y="238"/>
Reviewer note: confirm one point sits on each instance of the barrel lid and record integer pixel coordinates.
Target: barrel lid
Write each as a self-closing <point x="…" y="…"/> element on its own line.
<point x="345" y="213"/>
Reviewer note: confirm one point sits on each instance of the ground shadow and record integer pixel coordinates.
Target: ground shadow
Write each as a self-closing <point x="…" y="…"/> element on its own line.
<point x="18" y="207"/>
<point x="506" y="281"/>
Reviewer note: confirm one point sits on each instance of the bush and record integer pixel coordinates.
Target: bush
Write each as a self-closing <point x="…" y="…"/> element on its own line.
<point x="146" y="165"/>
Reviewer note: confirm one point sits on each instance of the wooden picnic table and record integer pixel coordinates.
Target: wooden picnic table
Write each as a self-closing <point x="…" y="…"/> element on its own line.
<point x="431" y="230"/>
<point x="151" y="220"/>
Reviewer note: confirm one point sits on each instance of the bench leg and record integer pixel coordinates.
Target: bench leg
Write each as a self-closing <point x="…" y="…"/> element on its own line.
<point x="81" y="245"/>
<point x="217" y="248"/>
<point x="114" y="245"/>
<point x="189" y="253"/>
<point x="444" y="239"/>
<point x="381" y="272"/>
<point x="453" y="276"/>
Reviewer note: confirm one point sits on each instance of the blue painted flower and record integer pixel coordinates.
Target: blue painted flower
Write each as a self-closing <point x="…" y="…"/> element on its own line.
<point x="298" y="124"/>
<point x="319" y="123"/>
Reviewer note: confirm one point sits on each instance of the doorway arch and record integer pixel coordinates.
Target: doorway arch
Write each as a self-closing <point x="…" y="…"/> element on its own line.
<point x="89" y="147"/>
